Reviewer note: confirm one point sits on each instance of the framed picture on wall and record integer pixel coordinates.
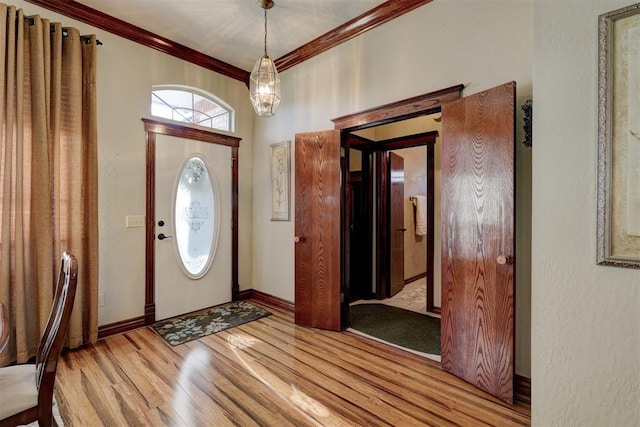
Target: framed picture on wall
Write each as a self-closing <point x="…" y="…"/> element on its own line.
<point x="280" y="158"/>
<point x="618" y="236"/>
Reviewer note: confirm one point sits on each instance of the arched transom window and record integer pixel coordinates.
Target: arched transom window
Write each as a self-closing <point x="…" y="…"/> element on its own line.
<point x="188" y="105"/>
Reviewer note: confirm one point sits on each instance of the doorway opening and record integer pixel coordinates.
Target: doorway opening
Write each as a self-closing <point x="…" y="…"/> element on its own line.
<point x="387" y="118"/>
<point x="392" y="242"/>
<point x="478" y="243"/>
<point x="478" y="230"/>
<point x="393" y="174"/>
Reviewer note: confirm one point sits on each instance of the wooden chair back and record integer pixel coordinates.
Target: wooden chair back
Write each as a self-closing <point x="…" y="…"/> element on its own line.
<point x="4" y="327"/>
<point x="55" y="332"/>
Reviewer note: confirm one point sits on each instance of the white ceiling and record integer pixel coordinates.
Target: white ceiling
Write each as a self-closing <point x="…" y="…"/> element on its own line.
<point x="232" y="31"/>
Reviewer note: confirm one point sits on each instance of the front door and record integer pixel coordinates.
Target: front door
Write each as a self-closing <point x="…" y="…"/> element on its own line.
<point x="478" y="241"/>
<point x="318" y="295"/>
<point x="396" y="222"/>
<point x="185" y="280"/>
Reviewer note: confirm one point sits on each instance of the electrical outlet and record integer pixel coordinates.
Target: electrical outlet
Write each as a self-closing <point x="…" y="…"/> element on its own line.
<point x="135" y="221"/>
<point x="100" y="300"/>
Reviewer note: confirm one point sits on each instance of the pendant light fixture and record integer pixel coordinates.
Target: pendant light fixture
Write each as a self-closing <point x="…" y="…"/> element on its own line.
<point x="264" y="83"/>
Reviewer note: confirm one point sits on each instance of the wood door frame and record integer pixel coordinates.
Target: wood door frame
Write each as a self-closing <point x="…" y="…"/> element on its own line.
<point x="416" y="106"/>
<point x="420" y="105"/>
<point x="427" y="139"/>
<point x="155" y="127"/>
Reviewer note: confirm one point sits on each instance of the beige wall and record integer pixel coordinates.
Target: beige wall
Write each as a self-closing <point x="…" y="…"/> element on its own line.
<point x="126" y="73"/>
<point x="585" y="318"/>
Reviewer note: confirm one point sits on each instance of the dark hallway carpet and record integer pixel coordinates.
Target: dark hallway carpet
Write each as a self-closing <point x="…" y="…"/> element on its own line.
<point x="404" y="328"/>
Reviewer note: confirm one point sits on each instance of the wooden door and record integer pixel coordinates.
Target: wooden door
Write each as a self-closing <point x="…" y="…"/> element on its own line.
<point x="478" y="239"/>
<point x="318" y="196"/>
<point x="396" y="222"/>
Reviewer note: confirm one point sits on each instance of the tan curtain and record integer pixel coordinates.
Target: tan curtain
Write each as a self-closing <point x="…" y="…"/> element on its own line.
<point x="48" y="175"/>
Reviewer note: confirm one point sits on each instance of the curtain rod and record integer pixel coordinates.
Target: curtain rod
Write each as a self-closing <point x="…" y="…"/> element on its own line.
<point x="65" y="33"/>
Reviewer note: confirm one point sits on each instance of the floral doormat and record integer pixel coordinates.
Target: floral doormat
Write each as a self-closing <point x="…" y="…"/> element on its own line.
<point x="182" y="329"/>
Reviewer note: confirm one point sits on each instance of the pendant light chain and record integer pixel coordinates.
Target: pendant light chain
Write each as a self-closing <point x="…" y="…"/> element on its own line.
<point x="265" y="32"/>
<point x="264" y="81"/>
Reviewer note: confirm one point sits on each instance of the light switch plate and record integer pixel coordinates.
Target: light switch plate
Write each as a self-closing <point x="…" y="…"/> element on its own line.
<point x="135" y="221"/>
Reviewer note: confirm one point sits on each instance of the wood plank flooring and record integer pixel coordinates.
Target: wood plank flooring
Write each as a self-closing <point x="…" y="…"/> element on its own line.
<point x="269" y="372"/>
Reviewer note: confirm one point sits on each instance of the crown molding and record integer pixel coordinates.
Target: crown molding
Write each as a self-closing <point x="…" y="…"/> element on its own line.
<point x="116" y="26"/>
<point x="359" y="25"/>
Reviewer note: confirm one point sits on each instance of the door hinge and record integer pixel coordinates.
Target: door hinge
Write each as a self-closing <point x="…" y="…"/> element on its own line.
<point x="343" y="152"/>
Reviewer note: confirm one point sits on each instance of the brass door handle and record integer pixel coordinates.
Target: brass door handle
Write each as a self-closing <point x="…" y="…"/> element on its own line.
<point x="298" y="239"/>
<point x="504" y="259"/>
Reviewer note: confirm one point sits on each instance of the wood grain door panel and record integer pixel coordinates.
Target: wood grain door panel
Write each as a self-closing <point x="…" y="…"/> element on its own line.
<point x="478" y="228"/>
<point x="317" y="229"/>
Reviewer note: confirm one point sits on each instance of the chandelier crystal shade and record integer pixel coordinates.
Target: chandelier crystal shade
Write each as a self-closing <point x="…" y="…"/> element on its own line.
<point x="264" y="82"/>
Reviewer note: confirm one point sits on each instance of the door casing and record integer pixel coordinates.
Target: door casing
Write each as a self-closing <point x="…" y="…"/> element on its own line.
<point x="420" y="105"/>
<point x="412" y="107"/>
<point x="152" y="128"/>
<point x="402" y="110"/>
<point x="380" y="150"/>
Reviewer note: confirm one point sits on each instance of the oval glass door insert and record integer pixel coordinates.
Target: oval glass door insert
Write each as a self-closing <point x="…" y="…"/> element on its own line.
<point x="196" y="217"/>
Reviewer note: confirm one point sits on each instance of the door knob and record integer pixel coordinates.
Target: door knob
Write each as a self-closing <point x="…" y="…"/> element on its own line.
<point x="402" y="229"/>
<point x="162" y="236"/>
<point x="298" y="239"/>
<point x="504" y="259"/>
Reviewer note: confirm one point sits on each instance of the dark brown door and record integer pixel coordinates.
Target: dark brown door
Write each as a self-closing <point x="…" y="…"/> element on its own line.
<point x="478" y="239"/>
<point x="396" y="222"/>
<point x="317" y="230"/>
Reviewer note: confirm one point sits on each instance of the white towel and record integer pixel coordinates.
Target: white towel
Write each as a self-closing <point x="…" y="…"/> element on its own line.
<point x="421" y="215"/>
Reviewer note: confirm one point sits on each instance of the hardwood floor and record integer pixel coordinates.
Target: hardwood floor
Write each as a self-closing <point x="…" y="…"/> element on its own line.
<point x="269" y="372"/>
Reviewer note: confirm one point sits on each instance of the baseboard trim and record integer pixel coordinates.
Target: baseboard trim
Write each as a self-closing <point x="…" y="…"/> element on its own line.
<point x="140" y="321"/>
<point x="267" y="299"/>
<point x="523" y="389"/>
<point x="246" y="294"/>
<point x="121" y="326"/>
<point x="414" y="278"/>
